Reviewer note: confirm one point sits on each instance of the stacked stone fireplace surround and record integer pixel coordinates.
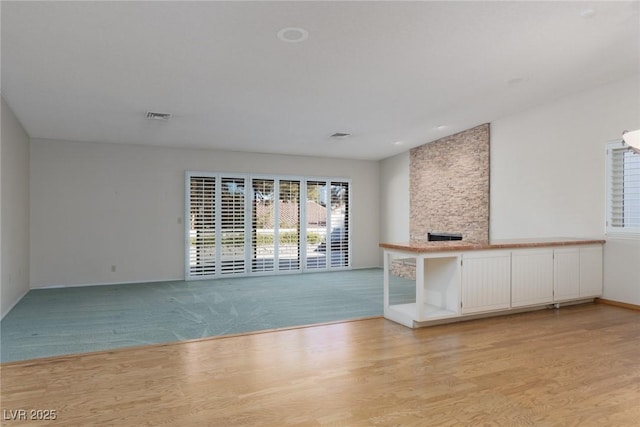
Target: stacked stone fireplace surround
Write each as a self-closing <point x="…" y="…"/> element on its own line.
<point x="449" y="191"/>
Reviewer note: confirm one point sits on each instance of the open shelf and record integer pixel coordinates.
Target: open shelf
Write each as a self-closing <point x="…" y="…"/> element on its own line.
<point x="430" y="311"/>
<point x="437" y="285"/>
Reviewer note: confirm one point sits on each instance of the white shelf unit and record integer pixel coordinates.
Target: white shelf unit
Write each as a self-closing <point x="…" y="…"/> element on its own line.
<point x="437" y="287"/>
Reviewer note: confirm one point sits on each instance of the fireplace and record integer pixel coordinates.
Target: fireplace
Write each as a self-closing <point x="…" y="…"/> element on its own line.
<point x="433" y="237"/>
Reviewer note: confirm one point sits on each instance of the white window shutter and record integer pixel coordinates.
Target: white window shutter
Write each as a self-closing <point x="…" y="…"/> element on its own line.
<point x="243" y="224"/>
<point x="623" y="189"/>
<point x="202" y="226"/>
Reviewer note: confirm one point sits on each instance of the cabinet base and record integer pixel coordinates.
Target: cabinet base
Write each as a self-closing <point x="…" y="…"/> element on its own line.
<point x="466" y="317"/>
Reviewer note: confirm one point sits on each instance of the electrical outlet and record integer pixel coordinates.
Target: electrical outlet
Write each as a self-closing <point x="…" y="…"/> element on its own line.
<point x="113" y="268"/>
<point x="179" y="220"/>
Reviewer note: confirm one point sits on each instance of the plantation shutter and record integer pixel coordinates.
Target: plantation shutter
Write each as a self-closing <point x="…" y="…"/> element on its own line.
<point x="232" y="225"/>
<point x="623" y="201"/>
<point x="263" y="226"/>
<point x="242" y="224"/>
<point x="288" y="236"/>
<point x="339" y="224"/>
<point x="202" y="226"/>
<point x="316" y="214"/>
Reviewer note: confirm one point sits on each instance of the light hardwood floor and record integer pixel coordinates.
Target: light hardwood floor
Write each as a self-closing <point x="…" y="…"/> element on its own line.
<point x="576" y="366"/>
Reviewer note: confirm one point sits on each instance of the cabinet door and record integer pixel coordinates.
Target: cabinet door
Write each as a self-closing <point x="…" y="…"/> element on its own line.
<point x="486" y="279"/>
<point x="591" y="271"/>
<point x="566" y="274"/>
<point x="531" y="277"/>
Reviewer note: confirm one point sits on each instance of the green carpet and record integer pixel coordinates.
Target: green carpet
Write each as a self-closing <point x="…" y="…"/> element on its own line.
<point x="51" y="322"/>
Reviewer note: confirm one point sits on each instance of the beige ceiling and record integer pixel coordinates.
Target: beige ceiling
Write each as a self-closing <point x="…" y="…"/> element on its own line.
<point x="385" y="72"/>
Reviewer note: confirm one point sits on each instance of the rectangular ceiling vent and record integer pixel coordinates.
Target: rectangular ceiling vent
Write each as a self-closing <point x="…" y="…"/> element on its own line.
<point x="340" y="135"/>
<point x="158" y="116"/>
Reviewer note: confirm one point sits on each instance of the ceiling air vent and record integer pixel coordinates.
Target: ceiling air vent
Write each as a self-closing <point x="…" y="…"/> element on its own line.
<point x="339" y="135"/>
<point x="158" y="116"/>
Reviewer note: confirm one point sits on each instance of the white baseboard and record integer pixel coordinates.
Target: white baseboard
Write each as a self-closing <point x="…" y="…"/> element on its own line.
<point x="82" y="285"/>
<point x="179" y="279"/>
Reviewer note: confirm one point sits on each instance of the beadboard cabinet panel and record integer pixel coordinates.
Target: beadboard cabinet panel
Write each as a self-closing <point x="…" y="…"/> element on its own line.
<point x="531" y="277"/>
<point x="591" y="271"/>
<point x="566" y="274"/>
<point x="486" y="280"/>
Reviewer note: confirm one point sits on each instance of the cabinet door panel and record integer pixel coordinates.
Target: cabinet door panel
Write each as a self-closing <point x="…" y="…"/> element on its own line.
<point x="591" y="271"/>
<point x="486" y="282"/>
<point x="531" y="277"/>
<point x="566" y="274"/>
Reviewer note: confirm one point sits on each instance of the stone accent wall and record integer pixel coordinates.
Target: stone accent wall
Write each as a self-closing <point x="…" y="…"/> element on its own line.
<point x="449" y="186"/>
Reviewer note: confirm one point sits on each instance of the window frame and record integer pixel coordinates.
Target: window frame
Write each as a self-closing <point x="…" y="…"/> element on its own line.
<point x="248" y="269"/>
<point x="610" y="229"/>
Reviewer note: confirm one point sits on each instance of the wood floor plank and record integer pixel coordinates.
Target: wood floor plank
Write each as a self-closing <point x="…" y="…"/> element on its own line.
<point x="579" y="366"/>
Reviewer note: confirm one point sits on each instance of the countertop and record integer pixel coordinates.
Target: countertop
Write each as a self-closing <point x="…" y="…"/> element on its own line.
<point x="459" y="245"/>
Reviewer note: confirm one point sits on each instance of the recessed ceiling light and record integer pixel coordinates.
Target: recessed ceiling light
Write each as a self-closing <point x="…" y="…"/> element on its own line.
<point x="293" y="34"/>
<point x="158" y="116"/>
<point x="441" y="127"/>
<point x="398" y="143"/>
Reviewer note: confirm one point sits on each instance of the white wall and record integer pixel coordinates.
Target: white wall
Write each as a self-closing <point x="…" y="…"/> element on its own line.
<point x="14" y="201"/>
<point x="95" y="205"/>
<point x="548" y="163"/>
<point x="548" y="177"/>
<point x="394" y="198"/>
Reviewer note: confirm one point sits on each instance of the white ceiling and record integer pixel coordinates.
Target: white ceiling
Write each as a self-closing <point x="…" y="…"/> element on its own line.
<point x="382" y="71"/>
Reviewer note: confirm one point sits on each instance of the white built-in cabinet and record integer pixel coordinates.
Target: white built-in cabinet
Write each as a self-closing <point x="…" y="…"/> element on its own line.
<point x="455" y="284"/>
<point x="590" y="271"/>
<point x="566" y="274"/>
<point x="577" y="273"/>
<point x="486" y="281"/>
<point x="531" y="277"/>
